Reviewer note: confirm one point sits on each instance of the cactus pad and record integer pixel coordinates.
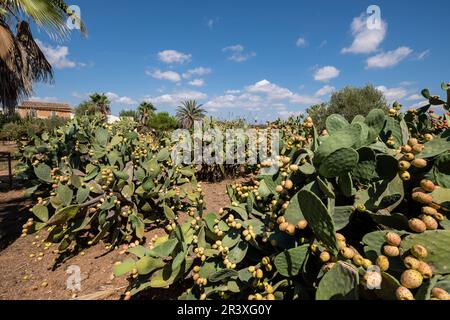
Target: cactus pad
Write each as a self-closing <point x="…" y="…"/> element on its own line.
<point x="320" y="221"/>
<point x="437" y="244"/>
<point x="340" y="283"/>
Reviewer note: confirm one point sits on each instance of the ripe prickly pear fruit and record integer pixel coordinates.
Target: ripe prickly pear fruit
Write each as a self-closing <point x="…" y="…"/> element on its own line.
<point x="411" y="263"/>
<point x="279" y="189"/>
<point x="391" y="251"/>
<point x="440" y="294"/>
<point x="428" y="137"/>
<point x="430" y="222"/>
<point x="358" y="260"/>
<point x="383" y="263"/>
<point x="288" y="185"/>
<point x="406" y="149"/>
<point x="409" y="157"/>
<point x="290" y="230"/>
<point x="429" y="211"/>
<point x="405" y="176"/>
<point x="348" y="253"/>
<point x="417" y="225"/>
<point x="325" y="257"/>
<point x="422" y="198"/>
<point x="393" y="239"/>
<point x="411" y="279"/>
<point x="281" y="220"/>
<point x="420" y="252"/>
<point x="419" y="163"/>
<point x="340" y="237"/>
<point x="412" y="142"/>
<point x="425" y="270"/>
<point x="404" y="294"/>
<point x="284" y="226"/>
<point x="404" y="165"/>
<point x="302" y="225"/>
<point x="417" y="149"/>
<point x="427" y="185"/>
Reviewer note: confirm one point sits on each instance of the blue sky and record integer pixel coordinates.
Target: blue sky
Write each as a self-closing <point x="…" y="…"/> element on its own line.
<point x="263" y="59"/>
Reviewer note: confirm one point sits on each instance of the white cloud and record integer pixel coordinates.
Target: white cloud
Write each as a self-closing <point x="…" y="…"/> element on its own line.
<point x="197" y="82"/>
<point x="57" y="56"/>
<point x="326" y="73"/>
<point x="175" y="98"/>
<point x="414" y="97"/>
<point x="200" y="71"/>
<point x="233" y="91"/>
<point x="388" y="59"/>
<point x="273" y="91"/>
<point x="422" y="55"/>
<point x="365" y="40"/>
<point x="301" y="43"/>
<point x="260" y="96"/>
<point x="173" y="56"/>
<point x="212" y="22"/>
<point x="238" y="53"/>
<point x="393" y="94"/>
<point x="45" y="99"/>
<point x="324" y="91"/>
<point x="420" y="104"/>
<point x="245" y="101"/>
<point x="115" y="98"/>
<point x="164" y="75"/>
<point x="323" y="44"/>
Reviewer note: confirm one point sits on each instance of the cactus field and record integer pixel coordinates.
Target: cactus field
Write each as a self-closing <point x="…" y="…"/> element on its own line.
<point x="358" y="211"/>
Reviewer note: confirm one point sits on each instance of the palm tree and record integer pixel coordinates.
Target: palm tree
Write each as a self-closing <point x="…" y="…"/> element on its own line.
<point x="21" y="60"/>
<point x="145" y="110"/>
<point x="188" y="113"/>
<point x="101" y="102"/>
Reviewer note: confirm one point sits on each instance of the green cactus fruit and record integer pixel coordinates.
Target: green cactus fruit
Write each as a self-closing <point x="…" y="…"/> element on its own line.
<point x="383" y="263"/>
<point x="411" y="279"/>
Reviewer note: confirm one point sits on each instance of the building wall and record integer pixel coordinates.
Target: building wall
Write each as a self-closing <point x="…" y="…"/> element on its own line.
<point x="44" y="114"/>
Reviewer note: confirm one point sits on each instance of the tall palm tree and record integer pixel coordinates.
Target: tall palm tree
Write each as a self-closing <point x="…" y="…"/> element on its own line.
<point x="188" y="113"/>
<point x="145" y="110"/>
<point x="101" y="102"/>
<point x="21" y="60"/>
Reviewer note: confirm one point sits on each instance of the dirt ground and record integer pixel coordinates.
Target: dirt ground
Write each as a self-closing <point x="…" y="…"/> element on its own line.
<point x="26" y="267"/>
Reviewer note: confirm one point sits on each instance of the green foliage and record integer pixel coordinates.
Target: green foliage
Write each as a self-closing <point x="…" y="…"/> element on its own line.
<point x="93" y="180"/>
<point x="278" y="239"/>
<point x="129" y="114"/>
<point x="348" y="103"/>
<point x="162" y="121"/>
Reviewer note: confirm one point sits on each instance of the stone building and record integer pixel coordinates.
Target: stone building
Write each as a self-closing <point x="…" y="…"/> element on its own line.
<point x="45" y="110"/>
